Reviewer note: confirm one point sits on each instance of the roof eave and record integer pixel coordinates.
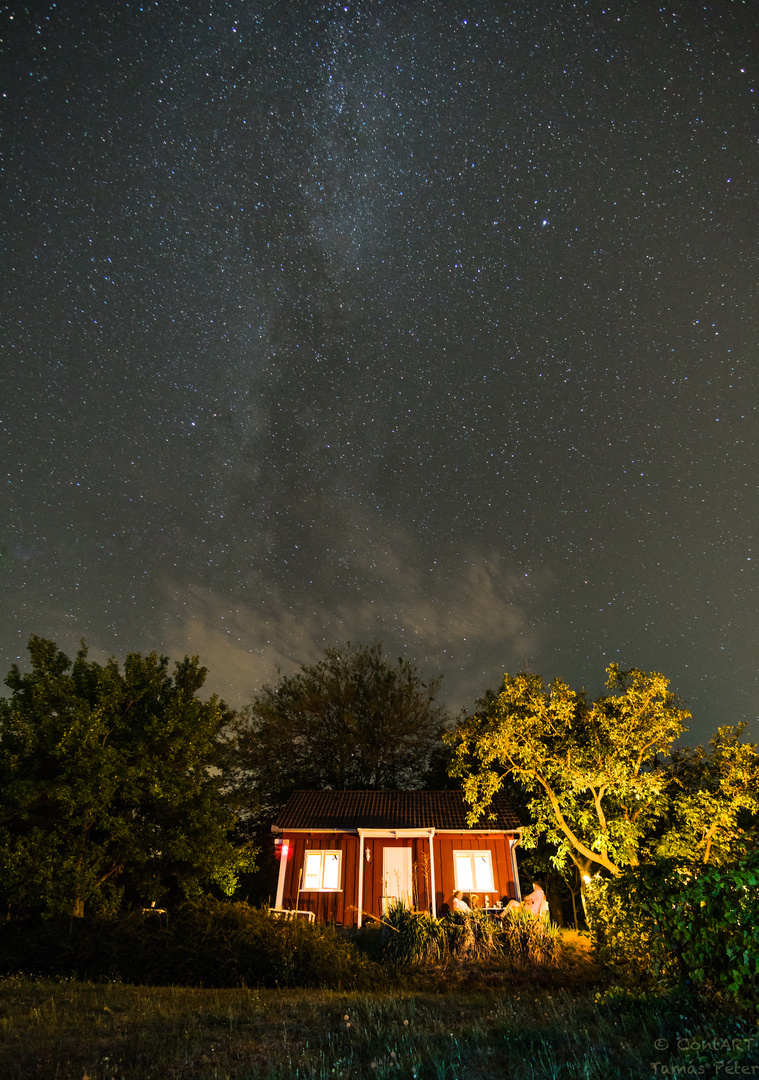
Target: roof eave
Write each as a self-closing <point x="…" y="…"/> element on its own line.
<point x="390" y="830"/>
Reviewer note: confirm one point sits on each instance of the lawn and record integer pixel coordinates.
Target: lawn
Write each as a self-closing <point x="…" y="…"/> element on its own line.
<point x="454" y="1026"/>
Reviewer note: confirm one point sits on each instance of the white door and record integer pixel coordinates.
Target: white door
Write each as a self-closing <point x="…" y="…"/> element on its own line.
<point x="396" y="876"/>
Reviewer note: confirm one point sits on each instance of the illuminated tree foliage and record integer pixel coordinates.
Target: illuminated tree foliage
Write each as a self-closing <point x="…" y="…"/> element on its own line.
<point x="714" y="800"/>
<point x="111" y="780"/>
<point x="591" y="769"/>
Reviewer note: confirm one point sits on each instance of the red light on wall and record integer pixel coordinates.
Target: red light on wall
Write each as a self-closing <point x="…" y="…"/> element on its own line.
<point x="281" y="849"/>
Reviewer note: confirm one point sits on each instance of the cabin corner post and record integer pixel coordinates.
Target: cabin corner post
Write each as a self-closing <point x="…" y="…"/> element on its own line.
<point x="513" y="844"/>
<point x="433" y="902"/>
<point x="284" y="850"/>
<point x="360" y="877"/>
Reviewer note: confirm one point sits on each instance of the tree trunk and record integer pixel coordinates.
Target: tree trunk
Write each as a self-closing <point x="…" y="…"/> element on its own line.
<point x="574" y="909"/>
<point x="555" y="897"/>
<point x="585" y="868"/>
<point x="77" y="908"/>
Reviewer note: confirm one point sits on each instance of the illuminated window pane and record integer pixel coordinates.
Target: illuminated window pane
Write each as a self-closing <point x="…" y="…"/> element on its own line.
<point x="483" y="871"/>
<point x="312" y="876"/>
<point x="473" y="870"/>
<point x="463" y="871"/>
<point x="321" y="871"/>
<point x="331" y="879"/>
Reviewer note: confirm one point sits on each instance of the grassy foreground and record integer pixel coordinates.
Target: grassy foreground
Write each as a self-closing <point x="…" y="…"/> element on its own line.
<point x="71" y="1030"/>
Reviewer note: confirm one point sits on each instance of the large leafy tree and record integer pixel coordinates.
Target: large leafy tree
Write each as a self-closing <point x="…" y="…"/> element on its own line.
<point x="355" y="719"/>
<point x="591" y="769"/>
<point x="112" y="780"/>
<point x="714" y="800"/>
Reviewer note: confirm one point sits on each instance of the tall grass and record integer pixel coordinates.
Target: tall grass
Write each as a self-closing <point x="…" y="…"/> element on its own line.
<point x="471" y="935"/>
<point x="529" y="942"/>
<point x="69" y="1030"/>
<point x="414" y="937"/>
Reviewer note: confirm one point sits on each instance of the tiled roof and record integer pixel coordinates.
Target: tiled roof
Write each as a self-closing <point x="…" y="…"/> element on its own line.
<point x="328" y="810"/>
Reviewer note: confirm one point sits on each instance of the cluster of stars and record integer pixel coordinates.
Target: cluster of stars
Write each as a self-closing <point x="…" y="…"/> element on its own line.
<point x="305" y="300"/>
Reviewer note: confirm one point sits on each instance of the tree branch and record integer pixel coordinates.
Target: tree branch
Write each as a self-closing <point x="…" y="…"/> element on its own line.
<point x="577" y="844"/>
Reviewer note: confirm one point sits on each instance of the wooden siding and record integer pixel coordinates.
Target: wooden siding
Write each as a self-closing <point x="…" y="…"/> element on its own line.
<point x="327" y="906"/>
<point x="342" y="906"/>
<point x="374" y="886"/>
<point x="503" y="874"/>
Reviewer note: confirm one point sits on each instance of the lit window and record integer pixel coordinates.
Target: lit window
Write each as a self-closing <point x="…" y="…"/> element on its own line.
<point x="322" y="871"/>
<point x="473" y="871"/>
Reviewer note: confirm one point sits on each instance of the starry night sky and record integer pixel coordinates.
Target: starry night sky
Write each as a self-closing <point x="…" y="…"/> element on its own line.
<point x="428" y="322"/>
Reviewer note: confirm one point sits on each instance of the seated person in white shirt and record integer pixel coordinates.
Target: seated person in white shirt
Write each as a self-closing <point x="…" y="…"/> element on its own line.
<point x="459" y="904"/>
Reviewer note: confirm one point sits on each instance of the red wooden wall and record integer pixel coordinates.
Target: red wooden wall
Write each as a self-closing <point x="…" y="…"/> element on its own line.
<point x="342" y="907"/>
<point x="503" y="873"/>
<point x="327" y="906"/>
<point x="373" y="883"/>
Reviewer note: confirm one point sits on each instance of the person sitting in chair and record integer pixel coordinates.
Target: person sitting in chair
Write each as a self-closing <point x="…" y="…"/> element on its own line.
<point x="459" y="903"/>
<point x="534" y="903"/>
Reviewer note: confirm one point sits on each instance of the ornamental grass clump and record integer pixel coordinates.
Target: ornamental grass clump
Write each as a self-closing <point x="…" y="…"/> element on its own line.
<point x="529" y="942"/>
<point x="412" y="937"/>
<point x="470" y="935"/>
<point x="415" y="937"/>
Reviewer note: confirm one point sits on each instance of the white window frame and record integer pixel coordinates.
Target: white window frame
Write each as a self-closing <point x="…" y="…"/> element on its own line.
<point x="472" y="885"/>
<point x="324" y="862"/>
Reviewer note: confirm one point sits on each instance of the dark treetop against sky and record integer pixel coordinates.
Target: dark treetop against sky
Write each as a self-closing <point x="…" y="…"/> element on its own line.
<point x="428" y="322"/>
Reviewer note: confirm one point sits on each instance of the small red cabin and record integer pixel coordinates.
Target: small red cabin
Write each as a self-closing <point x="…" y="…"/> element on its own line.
<point x="346" y="855"/>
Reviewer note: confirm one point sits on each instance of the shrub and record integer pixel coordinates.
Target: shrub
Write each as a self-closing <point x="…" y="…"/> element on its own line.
<point x="625" y="932"/>
<point x="668" y="923"/>
<point x="205" y="943"/>
<point x="223" y="944"/>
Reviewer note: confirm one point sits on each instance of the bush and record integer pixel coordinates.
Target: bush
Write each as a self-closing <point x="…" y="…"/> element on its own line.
<point x="208" y="943"/>
<point x="668" y="923"/>
<point x="624" y="932"/>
